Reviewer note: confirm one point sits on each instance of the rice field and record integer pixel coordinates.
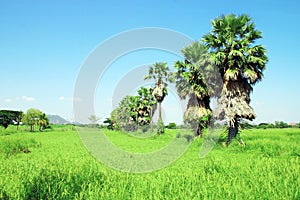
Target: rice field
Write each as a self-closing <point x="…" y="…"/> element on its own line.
<point x="56" y="165"/>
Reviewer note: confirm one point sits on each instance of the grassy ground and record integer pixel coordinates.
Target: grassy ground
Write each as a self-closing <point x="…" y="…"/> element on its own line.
<point x="55" y="165"/>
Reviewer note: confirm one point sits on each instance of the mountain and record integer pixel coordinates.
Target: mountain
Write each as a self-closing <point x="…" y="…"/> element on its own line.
<point x="56" y="119"/>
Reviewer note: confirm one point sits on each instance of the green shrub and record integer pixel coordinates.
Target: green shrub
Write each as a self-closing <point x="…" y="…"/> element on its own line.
<point x="13" y="146"/>
<point x="160" y="127"/>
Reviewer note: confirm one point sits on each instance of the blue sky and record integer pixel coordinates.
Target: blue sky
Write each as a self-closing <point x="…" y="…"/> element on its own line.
<point x="43" y="45"/>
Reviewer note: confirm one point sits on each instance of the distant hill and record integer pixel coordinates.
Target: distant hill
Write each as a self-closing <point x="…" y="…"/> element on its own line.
<point x="56" y="119"/>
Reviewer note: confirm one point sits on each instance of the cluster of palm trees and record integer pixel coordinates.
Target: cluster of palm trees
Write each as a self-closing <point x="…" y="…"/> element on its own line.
<point x="225" y="64"/>
<point x="134" y="111"/>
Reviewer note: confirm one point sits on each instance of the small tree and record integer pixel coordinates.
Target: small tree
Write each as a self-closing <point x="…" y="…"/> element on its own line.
<point x="32" y="118"/>
<point x="94" y="119"/>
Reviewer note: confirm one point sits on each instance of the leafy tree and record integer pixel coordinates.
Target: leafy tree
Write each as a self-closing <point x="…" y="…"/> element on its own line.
<point x="246" y="125"/>
<point x="160" y="73"/>
<point x="35" y="117"/>
<point x="134" y="111"/>
<point x="233" y="46"/>
<point x="191" y="83"/>
<point x="8" y="117"/>
<point x="264" y="125"/>
<point x="126" y="115"/>
<point x="94" y="119"/>
<point x="281" y="124"/>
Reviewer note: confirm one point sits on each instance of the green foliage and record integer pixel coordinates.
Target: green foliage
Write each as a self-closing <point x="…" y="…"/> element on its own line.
<point x="281" y="124"/>
<point x="160" y="127"/>
<point x="8" y="117"/>
<point x="246" y="125"/>
<point x="109" y="123"/>
<point x="232" y="44"/>
<point x="188" y="138"/>
<point x="3" y="194"/>
<point x="191" y="83"/>
<point x="35" y="117"/>
<point x="94" y="119"/>
<point x="14" y="146"/>
<point x="264" y="126"/>
<point x="172" y="125"/>
<point x="134" y="111"/>
<point x="277" y="124"/>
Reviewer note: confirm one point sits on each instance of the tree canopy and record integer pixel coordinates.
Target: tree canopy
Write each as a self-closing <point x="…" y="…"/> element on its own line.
<point x="8" y="117"/>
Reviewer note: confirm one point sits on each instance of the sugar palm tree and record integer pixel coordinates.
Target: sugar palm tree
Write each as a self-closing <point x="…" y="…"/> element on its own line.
<point x="160" y="73"/>
<point x="191" y="83"/>
<point x="241" y="62"/>
<point x="146" y="106"/>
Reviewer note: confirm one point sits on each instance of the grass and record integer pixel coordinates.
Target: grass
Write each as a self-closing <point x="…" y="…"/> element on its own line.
<point x="59" y="167"/>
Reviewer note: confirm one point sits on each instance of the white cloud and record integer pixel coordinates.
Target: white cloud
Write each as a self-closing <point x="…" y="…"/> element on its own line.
<point x="76" y="99"/>
<point x="8" y="100"/>
<point x="25" y="98"/>
<point x="22" y="98"/>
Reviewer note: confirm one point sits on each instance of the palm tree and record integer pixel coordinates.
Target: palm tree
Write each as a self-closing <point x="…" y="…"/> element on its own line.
<point x="43" y="121"/>
<point x="241" y="62"/>
<point x="146" y="106"/>
<point x="191" y="83"/>
<point x="159" y="72"/>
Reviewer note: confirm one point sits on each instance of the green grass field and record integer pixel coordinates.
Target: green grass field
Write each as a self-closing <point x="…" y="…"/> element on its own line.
<point x="55" y="165"/>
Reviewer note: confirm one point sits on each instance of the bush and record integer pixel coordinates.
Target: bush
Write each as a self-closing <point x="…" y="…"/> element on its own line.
<point x="160" y="127"/>
<point x="188" y="137"/>
<point x="172" y="125"/>
<point x="145" y="128"/>
<point x="11" y="147"/>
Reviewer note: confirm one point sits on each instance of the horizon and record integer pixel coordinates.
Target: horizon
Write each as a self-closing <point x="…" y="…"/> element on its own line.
<point x="44" y="46"/>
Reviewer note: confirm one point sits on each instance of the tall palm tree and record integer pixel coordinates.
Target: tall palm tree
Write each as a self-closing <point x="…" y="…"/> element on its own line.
<point x="191" y="83"/>
<point x="160" y="73"/>
<point x="241" y="62"/>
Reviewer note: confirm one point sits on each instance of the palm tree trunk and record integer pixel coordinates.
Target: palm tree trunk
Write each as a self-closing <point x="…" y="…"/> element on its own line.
<point x="159" y="111"/>
<point x="232" y="131"/>
<point x="151" y="120"/>
<point x="198" y="131"/>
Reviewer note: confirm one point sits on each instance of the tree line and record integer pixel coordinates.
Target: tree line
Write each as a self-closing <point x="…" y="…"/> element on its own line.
<point x="225" y="64"/>
<point x="33" y="118"/>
